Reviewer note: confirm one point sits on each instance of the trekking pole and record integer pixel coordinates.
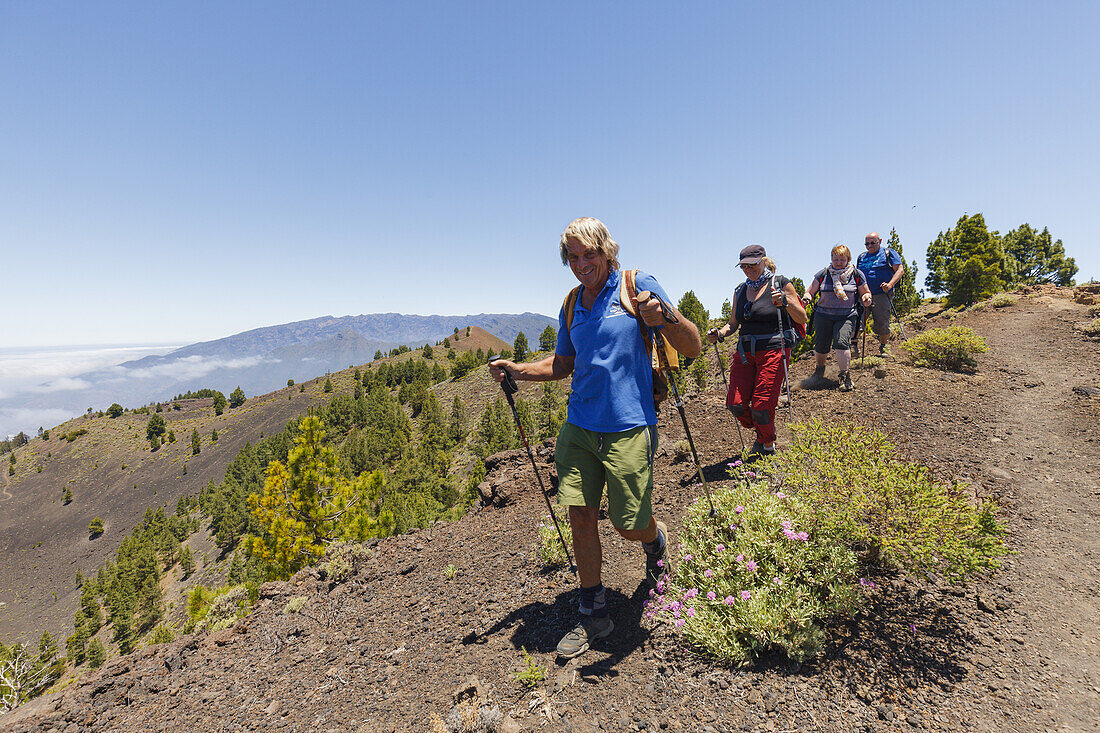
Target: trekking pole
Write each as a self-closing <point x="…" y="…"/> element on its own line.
<point x="662" y="363"/>
<point x="896" y="319"/>
<point x="509" y="388"/>
<point x="722" y="368"/>
<point x="863" y="331"/>
<point x="783" y="353"/>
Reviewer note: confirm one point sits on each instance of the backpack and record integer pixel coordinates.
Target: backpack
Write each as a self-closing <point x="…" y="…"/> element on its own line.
<point x="793" y="331"/>
<point x="628" y="297"/>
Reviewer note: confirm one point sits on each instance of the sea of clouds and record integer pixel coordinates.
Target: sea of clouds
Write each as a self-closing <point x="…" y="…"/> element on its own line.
<point x="38" y="386"/>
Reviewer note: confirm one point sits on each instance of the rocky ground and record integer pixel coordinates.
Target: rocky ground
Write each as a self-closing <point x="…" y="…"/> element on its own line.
<point x="405" y="644"/>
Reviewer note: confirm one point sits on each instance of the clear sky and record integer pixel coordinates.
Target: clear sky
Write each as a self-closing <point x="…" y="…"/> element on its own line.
<point x="176" y="172"/>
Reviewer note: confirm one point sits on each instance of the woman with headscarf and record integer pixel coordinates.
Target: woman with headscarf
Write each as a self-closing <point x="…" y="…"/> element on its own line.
<point x="836" y="316"/>
<point x="765" y="308"/>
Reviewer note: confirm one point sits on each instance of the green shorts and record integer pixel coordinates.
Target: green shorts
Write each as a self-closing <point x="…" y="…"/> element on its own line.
<point x="587" y="461"/>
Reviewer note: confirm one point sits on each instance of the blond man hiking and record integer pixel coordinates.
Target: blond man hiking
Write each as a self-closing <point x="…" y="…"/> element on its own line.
<point x="610" y="435"/>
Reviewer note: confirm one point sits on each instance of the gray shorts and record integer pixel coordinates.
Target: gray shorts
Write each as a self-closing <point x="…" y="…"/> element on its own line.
<point x="833" y="333"/>
<point x="880" y="313"/>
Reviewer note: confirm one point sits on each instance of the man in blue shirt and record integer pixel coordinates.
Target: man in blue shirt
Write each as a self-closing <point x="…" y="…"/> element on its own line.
<point x="610" y="435"/>
<point x="883" y="268"/>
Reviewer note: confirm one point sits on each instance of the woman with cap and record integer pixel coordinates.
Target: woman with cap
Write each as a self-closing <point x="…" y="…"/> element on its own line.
<point x="836" y="317"/>
<point x="765" y="307"/>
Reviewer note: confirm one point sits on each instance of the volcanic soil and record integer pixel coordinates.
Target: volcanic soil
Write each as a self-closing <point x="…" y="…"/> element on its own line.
<point x="402" y="646"/>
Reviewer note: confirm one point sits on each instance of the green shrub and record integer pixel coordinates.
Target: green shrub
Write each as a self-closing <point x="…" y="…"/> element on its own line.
<point x="1092" y="328"/>
<point x="532" y="673"/>
<point x="344" y="559"/>
<point x="950" y="349"/>
<point x="96" y="654"/>
<point x="772" y="568"/>
<point x="95" y="528"/>
<point x="162" y="635"/>
<point x="868" y="362"/>
<point x="550" y="550"/>
<point x="757" y="577"/>
<point x="1002" y="300"/>
<point x="450" y="571"/>
<point x="295" y="604"/>
<point x="861" y="492"/>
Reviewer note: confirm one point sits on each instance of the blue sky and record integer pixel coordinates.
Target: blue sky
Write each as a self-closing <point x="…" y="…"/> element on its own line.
<point x="176" y="172"/>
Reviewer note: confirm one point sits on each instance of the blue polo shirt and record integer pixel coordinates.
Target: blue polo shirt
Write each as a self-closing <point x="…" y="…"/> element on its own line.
<point x="878" y="267"/>
<point x="612" y="386"/>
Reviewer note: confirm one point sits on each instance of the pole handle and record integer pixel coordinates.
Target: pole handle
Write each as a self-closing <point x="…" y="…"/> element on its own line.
<point x="509" y="384"/>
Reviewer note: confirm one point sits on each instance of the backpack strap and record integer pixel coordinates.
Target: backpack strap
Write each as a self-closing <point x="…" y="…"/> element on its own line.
<point x="628" y="296"/>
<point x="569" y="304"/>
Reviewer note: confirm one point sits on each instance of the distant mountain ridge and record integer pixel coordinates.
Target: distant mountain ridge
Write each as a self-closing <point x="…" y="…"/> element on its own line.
<point x="258" y="361"/>
<point x="376" y="330"/>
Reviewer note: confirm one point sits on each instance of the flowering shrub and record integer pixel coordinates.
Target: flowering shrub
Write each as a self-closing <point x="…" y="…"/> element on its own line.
<point x="859" y="492"/>
<point x="756" y="577"/>
<point x="549" y="549"/>
<point x="950" y="349"/>
<point x="1002" y="300"/>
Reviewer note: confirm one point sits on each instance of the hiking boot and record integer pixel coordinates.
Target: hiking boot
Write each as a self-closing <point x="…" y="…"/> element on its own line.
<point x="846" y="382"/>
<point x="882" y="350"/>
<point x="587" y="630"/>
<point x="653" y="571"/>
<point x="816" y="379"/>
<point x="759" y="451"/>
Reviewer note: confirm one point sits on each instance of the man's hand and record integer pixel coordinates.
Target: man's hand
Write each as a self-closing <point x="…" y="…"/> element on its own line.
<point x="712" y="336"/>
<point x="866" y="298"/>
<point x="887" y="287"/>
<point x="496" y="369"/>
<point x="651" y="312"/>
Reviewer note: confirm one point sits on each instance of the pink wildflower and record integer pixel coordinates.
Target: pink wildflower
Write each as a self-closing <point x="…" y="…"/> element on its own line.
<point x="739" y="509"/>
<point x="786" y="524"/>
<point x="790" y="534"/>
<point x="729" y="600"/>
<point x="687" y="558"/>
<point x="711" y="595"/>
<point x="720" y="548"/>
<point x="707" y="573"/>
<point x="777" y="580"/>
<point x="691" y="612"/>
<point x="660" y="563"/>
<point x="803" y="536"/>
<point x="740" y="558"/>
<point x="745" y="595"/>
<point x="751" y="566"/>
<point x="780" y="495"/>
<point x="676" y="612"/>
<point x="678" y="622"/>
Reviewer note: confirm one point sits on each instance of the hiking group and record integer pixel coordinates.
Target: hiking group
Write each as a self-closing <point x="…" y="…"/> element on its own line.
<point x="608" y="328"/>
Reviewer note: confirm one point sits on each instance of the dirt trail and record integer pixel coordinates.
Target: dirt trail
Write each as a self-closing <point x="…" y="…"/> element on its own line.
<point x="1043" y="447"/>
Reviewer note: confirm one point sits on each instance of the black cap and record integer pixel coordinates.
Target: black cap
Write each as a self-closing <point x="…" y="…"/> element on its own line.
<point x="752" y="255"/>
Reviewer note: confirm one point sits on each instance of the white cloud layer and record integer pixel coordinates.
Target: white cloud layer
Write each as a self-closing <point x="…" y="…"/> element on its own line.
<point x="22" y="370"/>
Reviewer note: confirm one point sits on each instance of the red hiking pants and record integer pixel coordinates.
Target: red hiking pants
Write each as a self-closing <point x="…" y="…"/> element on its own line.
<point x="755" y="387"/>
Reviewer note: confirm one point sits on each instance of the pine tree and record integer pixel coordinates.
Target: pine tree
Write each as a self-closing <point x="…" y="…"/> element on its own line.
<point x="1037" y="258"/>
<point x="95" y="528"/>
<point x="519" y="347"/>
<point x="237" y="397"/>
<point x="691" y="307"/>
<point x="196" y="442"/>
<point x="307" y="503"/>
<point x="968" y="262"/>
<point x="114" y="410"/>
<point x="548" y="340"/>
<point x="96" y="654"/>
<point x="187" y="562"/>
<point x="905" y="294"/>
<point x="156" y="427"/>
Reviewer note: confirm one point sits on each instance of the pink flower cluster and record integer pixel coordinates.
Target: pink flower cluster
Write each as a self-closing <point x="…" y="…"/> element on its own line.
<point x="866" y="583"/>
<point x="790" y="534"/>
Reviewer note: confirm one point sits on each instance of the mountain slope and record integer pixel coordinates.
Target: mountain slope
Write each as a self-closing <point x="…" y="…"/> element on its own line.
<point x="388" y="649"/>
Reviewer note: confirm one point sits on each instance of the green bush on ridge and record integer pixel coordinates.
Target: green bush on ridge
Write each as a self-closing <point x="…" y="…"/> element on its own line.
<point x="770" y="570"/>
<point x="949" y="349"/>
